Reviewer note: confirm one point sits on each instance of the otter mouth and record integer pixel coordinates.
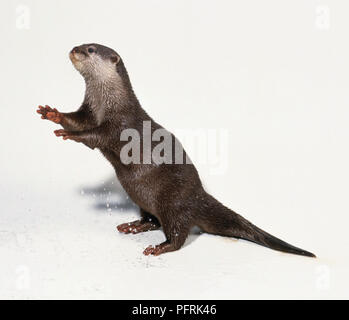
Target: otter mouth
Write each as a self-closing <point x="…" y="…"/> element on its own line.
<point x="77" y="59"/>
<point x="72" y="56"/>
<point x="77" y="55"/>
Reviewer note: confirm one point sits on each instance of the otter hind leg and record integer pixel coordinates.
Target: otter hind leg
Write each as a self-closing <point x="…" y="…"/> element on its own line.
<point x="176" y="233"/>
<point x="137" y="227"/>
<point x="147" y="223"/>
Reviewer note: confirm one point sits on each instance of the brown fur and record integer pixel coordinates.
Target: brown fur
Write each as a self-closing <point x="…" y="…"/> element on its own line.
<point x="169" y="195"/>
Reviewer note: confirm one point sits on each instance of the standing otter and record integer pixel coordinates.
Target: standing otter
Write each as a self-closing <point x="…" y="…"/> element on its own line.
<point x="169" y="195"/>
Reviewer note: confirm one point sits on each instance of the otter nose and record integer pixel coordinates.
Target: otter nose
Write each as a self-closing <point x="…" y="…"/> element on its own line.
<point x="79" y="50"/>
<point x="75" y="50"/>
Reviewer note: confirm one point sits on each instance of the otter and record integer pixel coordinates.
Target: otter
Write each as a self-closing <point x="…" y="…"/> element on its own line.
<point x="169" y="195"/>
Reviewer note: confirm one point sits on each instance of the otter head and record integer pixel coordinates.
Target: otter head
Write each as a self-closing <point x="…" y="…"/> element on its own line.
<point x="95" y="62"/>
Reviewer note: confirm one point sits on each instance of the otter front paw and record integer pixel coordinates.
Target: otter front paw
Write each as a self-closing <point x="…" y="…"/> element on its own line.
<point x="50" y="114"/>
<point x="67" y="135"/>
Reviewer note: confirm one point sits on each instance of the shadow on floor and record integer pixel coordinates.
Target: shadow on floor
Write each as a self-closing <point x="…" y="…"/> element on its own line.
<point x="110" y="195"/>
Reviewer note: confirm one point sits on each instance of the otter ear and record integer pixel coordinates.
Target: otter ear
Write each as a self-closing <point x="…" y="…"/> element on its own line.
<point x="115" y="59"/>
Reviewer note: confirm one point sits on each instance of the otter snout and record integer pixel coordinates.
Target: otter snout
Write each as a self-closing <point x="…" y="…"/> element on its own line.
<point x="77" y="54"/>
<point x="79" y="50"/>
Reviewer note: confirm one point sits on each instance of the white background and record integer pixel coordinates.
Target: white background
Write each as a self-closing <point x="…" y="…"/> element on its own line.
<point x="275" y="73"/>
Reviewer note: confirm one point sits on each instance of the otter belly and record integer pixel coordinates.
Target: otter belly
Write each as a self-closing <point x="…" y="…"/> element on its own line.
<point x="136" y="179"/>
<point x="140" y="183"/>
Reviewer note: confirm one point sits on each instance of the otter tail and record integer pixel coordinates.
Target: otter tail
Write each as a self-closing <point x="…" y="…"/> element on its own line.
<point x="218" y="219"/>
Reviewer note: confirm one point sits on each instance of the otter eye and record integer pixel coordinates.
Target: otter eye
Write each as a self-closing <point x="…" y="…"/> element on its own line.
<point x="90" y="50"/>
